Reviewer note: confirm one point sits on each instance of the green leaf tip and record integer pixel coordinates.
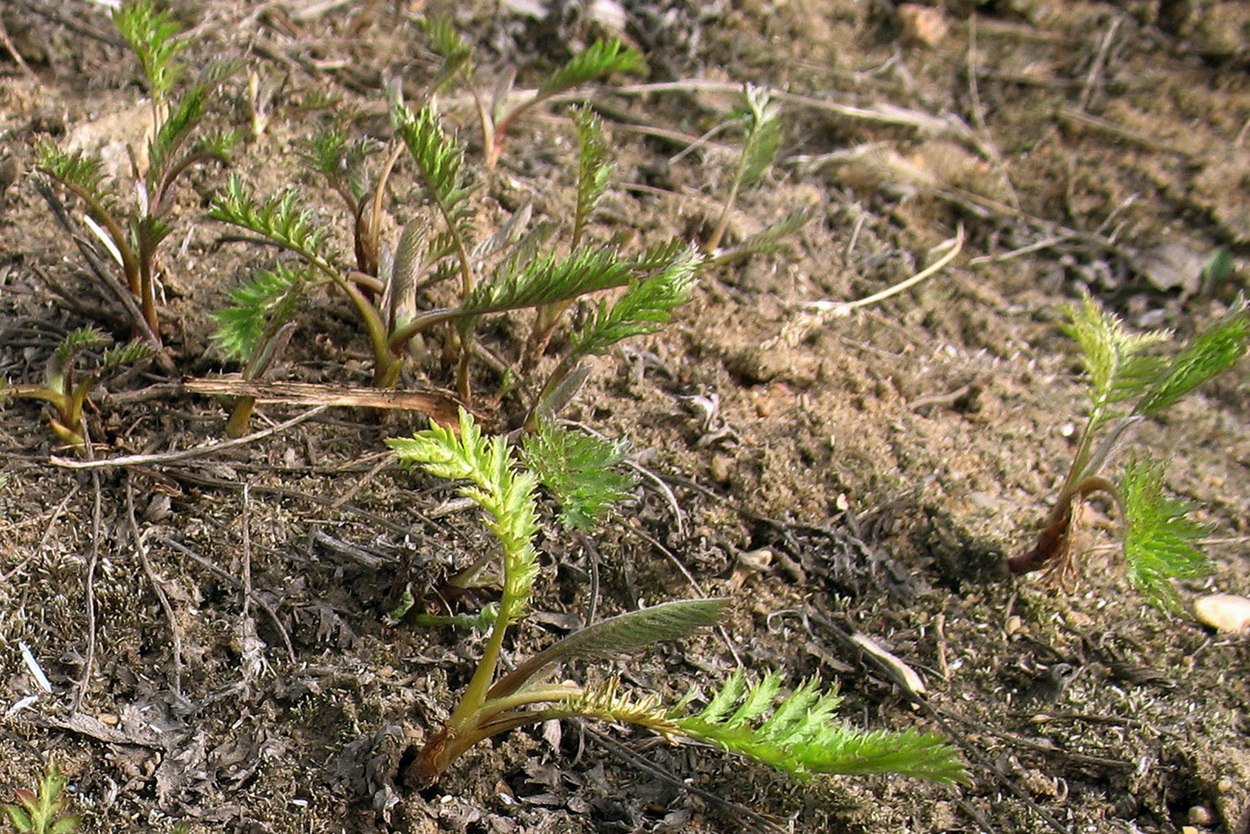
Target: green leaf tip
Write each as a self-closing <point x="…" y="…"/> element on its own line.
<point x="154" y="38"/>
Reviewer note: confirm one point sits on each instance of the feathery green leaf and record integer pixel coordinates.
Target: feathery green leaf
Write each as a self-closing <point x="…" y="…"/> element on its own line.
<point x="340" y="159"/>
<point x="597" y="60"/>
<point x="279" y="218"/>
<point x="1159" y="537"/>
<point x="1209" y="353"/>
<point x="1113" y="358"/>
<point x="647" y="305"/>
<point x="269" y="300"/>
<point x="154" y="38"/>
<point x="606" y="703"/>
<point x="801" y="736"/>
<point x="127" y="354"/>
<point x="521" y="282"/>
<point x="448" y="45"/>
<point x="506" y="494"/>
<point x="594" y="168"/>
<point x="440" y="166"/>
<point x="582" y="472"/>
<point x="74" y="343"/>
<point x="76" y="171"/>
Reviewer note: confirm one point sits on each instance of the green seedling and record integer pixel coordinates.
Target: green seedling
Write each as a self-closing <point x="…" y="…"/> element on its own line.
<point x="66" y="389"/>
<point x="1128" y="383"/>
<point x="759" y="116"/>
<point x="43" y="812"/>
<point x="128" y="236"/>
<point x="798" y="734"/>
<point x="599" y="60"/>
<point x="514" y="269"/>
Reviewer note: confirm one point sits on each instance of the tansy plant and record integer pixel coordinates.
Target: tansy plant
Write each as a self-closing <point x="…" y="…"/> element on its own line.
<point x="390" y="288"/>
<point x="66" y="386"/>
<point x="43" y="812"/>
<point x="796" y="733"/>
<point x="599" y="60"/>
<point x="1130" y="382"/>
<point x="124" y="236"/>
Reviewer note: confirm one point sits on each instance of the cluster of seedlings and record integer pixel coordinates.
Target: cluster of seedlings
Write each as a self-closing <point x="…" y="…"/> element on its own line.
<point x="419" y="294"/>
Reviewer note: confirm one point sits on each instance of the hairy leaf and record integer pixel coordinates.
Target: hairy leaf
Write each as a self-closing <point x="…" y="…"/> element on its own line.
<point x="763" y="134"/>
<point x="582" y="472"/>
<point x="154" y="38"/>
<point x="440" y="166"/>
<point x="1113" y="358"/>
<point x="594" y="167"/>
<point x="802" y="737"/>
<point x="340" y="159"/>
<point x="1208" y="354"/>
<point x="448" y="45"/>
<point x="127" y="354"/>
<point x="606" y="703"/>
<point x="270" y="299"/>
<point x="506" y="494"/>
<point x="1159" y="537"/>
<point x="77" y="171"/>
<point x="529" y="281"/>
<point x="279" y="218"/>
<point x="622" y="635"/>
<point x="647" y="305"/>
<point x="596" y="61"/>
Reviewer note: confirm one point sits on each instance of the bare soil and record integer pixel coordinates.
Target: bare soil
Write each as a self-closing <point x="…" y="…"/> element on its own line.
<point x="213" y="628"/>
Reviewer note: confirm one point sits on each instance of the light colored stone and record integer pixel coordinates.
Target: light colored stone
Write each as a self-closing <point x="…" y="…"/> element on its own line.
<point x="1225" y="612"/>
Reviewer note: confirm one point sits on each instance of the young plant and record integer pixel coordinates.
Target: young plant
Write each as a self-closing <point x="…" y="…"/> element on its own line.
<point x="43" y="812"/>
<point x="128" y="236"/>
<point x="66" y="390"/>
<point x="505" y="272"/>
<point x="599" y="60"/>
<point x="1128" y="383"/>
<point x="761" y="124"/>
<point x="798" y="735"/>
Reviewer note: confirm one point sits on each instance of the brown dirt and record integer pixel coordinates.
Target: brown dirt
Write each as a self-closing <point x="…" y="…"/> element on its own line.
<point x="867" y="472"/>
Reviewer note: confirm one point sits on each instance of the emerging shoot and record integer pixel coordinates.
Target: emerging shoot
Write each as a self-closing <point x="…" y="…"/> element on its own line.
<point x="798" y="735"/>
<point x="1127" y="384"/>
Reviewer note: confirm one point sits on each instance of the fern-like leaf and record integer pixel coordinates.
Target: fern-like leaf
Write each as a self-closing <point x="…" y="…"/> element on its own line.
<point x="647" y="305"/>
<point x="1159" y="537"/>
<point x="333" y="154"/>
<point x="74" y="343"/>
<point x="1209" y="353"/>
<point x="267" y="301"/>
<point x="506" y="494"/>
<point x="581" y="471"/>
<point x="522" y="282"/>
<point x="771" y="239"/>
<point x="594" y="168"/>
<point x="606" y="703"/>
<point x="133" y="351"/>
<point x="279" y="218"/>
<point x="599" y="59"/>
<point x="1113" y="358"/>
<point x="154" y="38"/>
<point x="82" y="174"/>
<point x="802" y="737"/>
<point x="440" y="166"/>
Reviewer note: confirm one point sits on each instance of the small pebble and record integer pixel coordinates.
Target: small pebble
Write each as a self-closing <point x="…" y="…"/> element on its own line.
<point x="1225" y="612"/>
<point x="1200" y="815"/>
